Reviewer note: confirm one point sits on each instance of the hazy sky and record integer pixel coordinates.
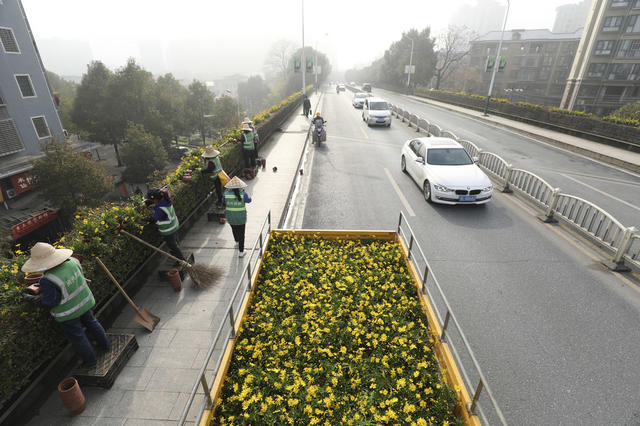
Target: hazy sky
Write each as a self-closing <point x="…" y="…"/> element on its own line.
<point x="215" y="38"/>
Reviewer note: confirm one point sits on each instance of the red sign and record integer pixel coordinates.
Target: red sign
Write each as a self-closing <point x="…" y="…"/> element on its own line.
<point x="31" y="224"/>
<point x="24" y="182"/>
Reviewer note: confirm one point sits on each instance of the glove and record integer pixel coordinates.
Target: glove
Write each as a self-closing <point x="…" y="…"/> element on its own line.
<point x="30" y="298"/>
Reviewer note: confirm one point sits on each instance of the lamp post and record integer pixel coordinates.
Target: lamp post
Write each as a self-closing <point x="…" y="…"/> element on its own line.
<point x="410" y="65"/>
<point x="496" y="64"/>
<point x="303" y="60"/>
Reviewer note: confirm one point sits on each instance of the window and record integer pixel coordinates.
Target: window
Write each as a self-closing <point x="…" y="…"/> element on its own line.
<point x="629" y="49"/>
<point x="547" y="60"/>
<point x="596" y="70"/>
<point x="619" y="71"/>
<point x="545" y="72"/>
<point x="635" y="73"/>
<point x="612" y="93"/>
<point x="526" y="75"/>
<point x="612" y="23"/>
<point x="552" y="47"/>
<point x="448" y="157"/>
<point x="9" y="43"/>
<point x="604" y="47"/>
<point x="636" y="5"/>
<point x="619" y="3"/>
<point x="26" y="88"/>
<point x="40" y="124"/>
<point x="9" y="140"/>
<point x="530" y="61"/>
<point x="535" y="48"/>
<point x="633" y="24"/>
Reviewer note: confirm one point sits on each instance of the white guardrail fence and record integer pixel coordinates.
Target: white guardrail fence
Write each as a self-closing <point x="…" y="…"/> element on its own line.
<point x="621" y="243"/>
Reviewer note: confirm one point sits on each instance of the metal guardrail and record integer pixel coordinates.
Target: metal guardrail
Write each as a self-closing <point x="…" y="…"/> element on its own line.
<point x="425" y="271"/>
<point x="229" y="326"/>
<point x="590" y="220"/>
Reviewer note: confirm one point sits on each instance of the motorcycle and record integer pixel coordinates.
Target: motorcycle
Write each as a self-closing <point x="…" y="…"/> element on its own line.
<point x="319" y="132"/>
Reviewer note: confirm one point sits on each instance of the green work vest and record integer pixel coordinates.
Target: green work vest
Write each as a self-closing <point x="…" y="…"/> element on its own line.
<point x="218" y="166"/>
<point x="169" y="225"/>
<point x="248" y="141"/>
<point x="76" y="295"/>
<point x="236" y="211"/>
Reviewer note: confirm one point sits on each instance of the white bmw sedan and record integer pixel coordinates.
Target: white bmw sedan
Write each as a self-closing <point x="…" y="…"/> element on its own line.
<point x="445" y="172"/>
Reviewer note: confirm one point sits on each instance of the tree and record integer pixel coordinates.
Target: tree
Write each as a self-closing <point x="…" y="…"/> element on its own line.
<point x="143" y="154"/>
<point x="225" y="113"/>
<point x="169" y="99"/>
<point x="64" y="92"/>
<point x="69" y="179"/>
<point x="198" y="104"/>
<point x="277" y="62"/>
<point x="453" y="47"/>
<point x="399" y="54"/>
<point x="253" y="94"/>
<point x="294" y="80"/>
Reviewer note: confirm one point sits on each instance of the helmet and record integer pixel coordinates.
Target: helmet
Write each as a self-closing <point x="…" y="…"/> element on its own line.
<point x="155" y="194"/>
<point x="317" y="114"/>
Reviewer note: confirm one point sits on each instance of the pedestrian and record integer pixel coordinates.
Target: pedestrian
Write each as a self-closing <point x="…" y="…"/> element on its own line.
<point x="164" y="216"/>
<point x="256" y="137"/>
<point x="214" y="166"/>
<point x="64" y="289"/>
<point x="248" y="146"/>
<point x="235" y="199"/>
<point x="306" y="106"/>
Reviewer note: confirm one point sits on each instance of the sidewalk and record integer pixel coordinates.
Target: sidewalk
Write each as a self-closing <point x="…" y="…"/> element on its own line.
<point x="153" y="387"/>
<point x="608" y="154"/>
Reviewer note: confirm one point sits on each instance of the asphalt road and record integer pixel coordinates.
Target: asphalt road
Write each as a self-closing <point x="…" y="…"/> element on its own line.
<point x="609" y="187"/>
<point x="555" y="333"/>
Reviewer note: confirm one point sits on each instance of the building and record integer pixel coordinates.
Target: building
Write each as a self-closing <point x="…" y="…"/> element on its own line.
<point x="570" y="17"/>
<point x="606" y="72"/>
<point x="537" y="64"/>
<point x="485" y="16"/>
<point x="28" y="118"/>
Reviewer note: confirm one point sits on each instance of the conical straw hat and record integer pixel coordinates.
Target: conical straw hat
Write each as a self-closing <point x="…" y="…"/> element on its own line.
<point x="210" y="152"/>
<point x="247" y="120"/>
<point x="235" y="183"/>
<point x="246" y="127"/>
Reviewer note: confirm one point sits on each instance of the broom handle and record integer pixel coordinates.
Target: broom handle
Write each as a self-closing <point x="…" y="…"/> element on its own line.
<point x="126" y="296"/>
<point x="140" y="240"/>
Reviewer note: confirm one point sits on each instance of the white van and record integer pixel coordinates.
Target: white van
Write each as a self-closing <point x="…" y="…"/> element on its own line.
<point x="376" y="111"/>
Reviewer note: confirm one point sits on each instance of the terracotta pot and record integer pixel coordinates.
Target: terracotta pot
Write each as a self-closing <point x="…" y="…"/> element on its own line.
<point x="72" y="395"/>
<point x="175" y="280"/>
<point x="32" y="278"/>
<point x="222" y="220"/>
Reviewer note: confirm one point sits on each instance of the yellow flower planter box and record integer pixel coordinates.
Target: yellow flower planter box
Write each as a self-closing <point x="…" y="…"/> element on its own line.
<point x="337" y="331"/>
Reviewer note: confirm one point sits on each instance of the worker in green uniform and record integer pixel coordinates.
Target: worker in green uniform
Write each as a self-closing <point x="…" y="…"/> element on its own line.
<point x="248" y="146"/>
<point x="214" y="166"/>
<point x="235" y="200"/>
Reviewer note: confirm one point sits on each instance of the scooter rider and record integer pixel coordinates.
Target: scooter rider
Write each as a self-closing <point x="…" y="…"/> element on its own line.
<point x="318" y="123"/>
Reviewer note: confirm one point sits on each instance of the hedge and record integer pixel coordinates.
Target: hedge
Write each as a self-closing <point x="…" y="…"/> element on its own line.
<point x="30" y="338"/>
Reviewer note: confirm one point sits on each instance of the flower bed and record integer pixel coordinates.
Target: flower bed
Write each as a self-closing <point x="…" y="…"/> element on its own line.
<point x="30" y="338"/>
<point x="335" y="335"/>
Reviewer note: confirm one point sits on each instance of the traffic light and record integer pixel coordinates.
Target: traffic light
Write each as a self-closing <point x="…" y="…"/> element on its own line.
<point x="309" y="64"/>
<point x="296" y="64"/>
<point x="502" y="64"/>
<point x="491" y="61"/>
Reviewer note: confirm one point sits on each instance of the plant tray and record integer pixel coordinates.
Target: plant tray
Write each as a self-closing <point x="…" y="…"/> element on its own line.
<point x="170" y="264"/>
<point x="109" y="363"/>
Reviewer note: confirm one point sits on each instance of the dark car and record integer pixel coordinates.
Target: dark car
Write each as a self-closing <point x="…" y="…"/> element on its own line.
<point x="366" y="87"/>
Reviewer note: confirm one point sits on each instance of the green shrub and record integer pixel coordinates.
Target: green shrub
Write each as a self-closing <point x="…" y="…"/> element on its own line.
<point x="624" y="121"/>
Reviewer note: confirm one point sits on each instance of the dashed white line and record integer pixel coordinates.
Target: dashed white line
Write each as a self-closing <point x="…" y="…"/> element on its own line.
<point x="400" y="194"/>
<point x="606" y="194"/>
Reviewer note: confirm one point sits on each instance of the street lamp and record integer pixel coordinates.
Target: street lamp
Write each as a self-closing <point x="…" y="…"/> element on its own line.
<point x="303" y="61"/>
<point x="496" y="64"/>
<point x="410" y="65"/>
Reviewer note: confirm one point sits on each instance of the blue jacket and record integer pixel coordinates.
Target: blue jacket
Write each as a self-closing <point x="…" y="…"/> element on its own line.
<point x="158" y="214"/>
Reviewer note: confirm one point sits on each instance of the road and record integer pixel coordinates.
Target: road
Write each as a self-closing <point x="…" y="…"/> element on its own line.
<point x="609" y="187"/>
<point x="555" y="333"/>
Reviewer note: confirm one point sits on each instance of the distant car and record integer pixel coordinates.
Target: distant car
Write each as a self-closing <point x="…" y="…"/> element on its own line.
<point x="376" y="111"/>
<point x="342" y="87"/>
<point x="366" y="87"/>
<point x="445" y="172"/>
<point x="358" y="99"/>
<point x="353" y="83"/>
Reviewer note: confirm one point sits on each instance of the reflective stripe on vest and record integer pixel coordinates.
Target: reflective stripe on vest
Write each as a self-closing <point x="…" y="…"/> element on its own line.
<point x="169" y="225"/>
<point x="248" y="141"/>
<point x="76" y="295"/>
<point x="236" y="211"/>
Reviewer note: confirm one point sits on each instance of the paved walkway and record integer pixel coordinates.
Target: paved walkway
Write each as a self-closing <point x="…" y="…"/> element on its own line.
<point x="153" y="387"/>
<point x="606" y="153"/>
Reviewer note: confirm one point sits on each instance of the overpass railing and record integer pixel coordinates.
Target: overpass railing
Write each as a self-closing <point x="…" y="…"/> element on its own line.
<point x="590" y="220"/>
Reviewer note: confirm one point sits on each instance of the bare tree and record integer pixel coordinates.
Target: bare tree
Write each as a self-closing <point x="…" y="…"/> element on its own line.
<point x="453" y="46"/>
<point x="277" y="61"/>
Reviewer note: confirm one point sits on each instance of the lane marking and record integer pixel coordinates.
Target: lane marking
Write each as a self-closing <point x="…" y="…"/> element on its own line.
<point x="400" y="194"/>
<point x="605" y="178"/>
<point x="363" y="132"/>
<point x="633" y="206"/>
<point x="497" y="126"/>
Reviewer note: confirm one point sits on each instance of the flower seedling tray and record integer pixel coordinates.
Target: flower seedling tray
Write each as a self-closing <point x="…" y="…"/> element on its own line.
<point x="109" y="363"/>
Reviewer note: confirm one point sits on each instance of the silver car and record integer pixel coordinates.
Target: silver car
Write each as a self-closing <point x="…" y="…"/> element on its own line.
<point x="358" y="99"/>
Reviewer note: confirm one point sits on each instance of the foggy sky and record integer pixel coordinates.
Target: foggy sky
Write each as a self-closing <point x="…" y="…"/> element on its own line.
<point x="211" y="39"/>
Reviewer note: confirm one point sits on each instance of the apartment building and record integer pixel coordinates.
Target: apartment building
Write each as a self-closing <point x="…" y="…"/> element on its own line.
<point x="606" y="72"/>
<point x="537" y="64"/>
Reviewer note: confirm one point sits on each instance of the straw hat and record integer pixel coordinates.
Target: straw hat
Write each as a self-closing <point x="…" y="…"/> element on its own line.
<point x="245" y="127"/>
<point x="210" y="152"/>
<point x="235" y="183"/>
<point x="247" y="120"/>
<point x="44" y="256"/>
